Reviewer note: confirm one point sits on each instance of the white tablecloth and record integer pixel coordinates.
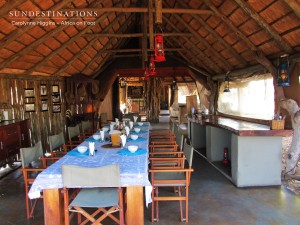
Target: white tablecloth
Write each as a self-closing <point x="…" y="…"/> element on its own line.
<point x="134" y="168"/>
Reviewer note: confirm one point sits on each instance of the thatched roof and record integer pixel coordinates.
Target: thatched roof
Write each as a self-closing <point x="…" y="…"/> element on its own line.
<point x="211" y="37"/>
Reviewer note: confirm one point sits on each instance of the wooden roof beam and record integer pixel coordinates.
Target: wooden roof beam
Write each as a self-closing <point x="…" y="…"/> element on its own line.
<point x="67" y="43"/>
<point x="217" y="36"/>
<point x="294" y="5"/>
<point x="21" y="30"/>
<point x="144" y="37"/>
<point x="150" y="21"/>
<point x="132" y="35"/>
<point x="121" y="29"/>
<point x="210" y="63"/>
<point x="143" y="10"/>
<point x="254" y="50"/>
<point x="264" y="25"/>
<point x="9" y="5"/>
<point x="140" y="50"/>
<point x="158" y="11"/>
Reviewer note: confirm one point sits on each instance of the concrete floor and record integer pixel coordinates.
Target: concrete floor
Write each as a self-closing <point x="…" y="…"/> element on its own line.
<point x="214" y="200"/>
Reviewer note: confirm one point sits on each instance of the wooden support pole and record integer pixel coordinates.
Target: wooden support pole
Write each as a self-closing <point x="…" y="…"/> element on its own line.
<point x="151" y="35"/>
<point x="158" y="11"/>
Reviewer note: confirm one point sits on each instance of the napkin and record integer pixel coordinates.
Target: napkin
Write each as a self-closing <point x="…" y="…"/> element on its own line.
<point x="111" y="126"/>
<point x="130" y="125"/>
<point x="123" y="139"/>
<point x="102" y="135"/>
<point x="127" y="130"/>
<point x="92" y="148"/>
<point x="135" y="118"/>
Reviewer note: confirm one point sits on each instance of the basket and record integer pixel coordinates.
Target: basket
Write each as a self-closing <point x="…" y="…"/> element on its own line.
<point x="277" y="124"/>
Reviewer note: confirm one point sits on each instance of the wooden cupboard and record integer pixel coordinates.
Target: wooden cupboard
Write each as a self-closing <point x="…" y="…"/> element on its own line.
<point x="13" y="136"/>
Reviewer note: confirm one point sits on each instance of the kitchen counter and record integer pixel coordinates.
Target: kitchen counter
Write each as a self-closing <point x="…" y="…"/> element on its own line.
<point x="255" y="151"/>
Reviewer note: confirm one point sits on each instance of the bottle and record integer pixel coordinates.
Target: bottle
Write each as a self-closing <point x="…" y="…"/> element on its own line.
<point x="225" y="157"/>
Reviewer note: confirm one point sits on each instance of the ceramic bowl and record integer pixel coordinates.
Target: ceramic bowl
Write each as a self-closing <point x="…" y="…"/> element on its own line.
<point x="82" y="149"/>
<point x="134" y="136"/>
<point x="137" y="130"/>
<point x="132" y="148"/>
<point x="96" y="137"/>
<point x="140" y="124"/>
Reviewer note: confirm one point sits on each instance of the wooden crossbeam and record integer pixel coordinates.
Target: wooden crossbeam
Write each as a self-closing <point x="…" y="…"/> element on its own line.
<point x="236" y="31"/>
<point x="264" y="25"/>
<point x="21" y="30"/>
<point x="8" y="6"/>
<point x="144" y="10"/>
<point x="140" y="50"/>
<point x="132" y="35"/>
<point x="217" y="36"/>
<point x="210" y="63"/>
<point x="294" y="5"/>
<point x="63" y="68"/>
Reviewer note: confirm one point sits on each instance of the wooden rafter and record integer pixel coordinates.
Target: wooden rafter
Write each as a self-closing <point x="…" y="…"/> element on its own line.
<point x="132" y="35"/>
<point x="211" y="63"/>
<point x="9" y="6"/>
<point x="150" y="18"/>
<point x="217" y="36"/>
<point x="264" y="25"/>
<point x="294" y="5"/>
<point x="117" y="19"/>
<point x="205" y="43"/>
<point x="144" y="37"/>
<point x="121" y="29"/>
<point x="254" y="50"/>
<point x="144" y="10"/>
<point x="21" y="30"/>
<point x="66" y="44"/>
<point x="158" y="11"/>
<point x="140" y="50"/>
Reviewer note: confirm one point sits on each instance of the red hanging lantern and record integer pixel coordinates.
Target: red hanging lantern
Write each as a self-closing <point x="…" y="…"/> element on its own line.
<point x="159" y="48"/>
<point x="225" y="157"/>
<point x="146" y="74"/>
<point x="152" y="66"/>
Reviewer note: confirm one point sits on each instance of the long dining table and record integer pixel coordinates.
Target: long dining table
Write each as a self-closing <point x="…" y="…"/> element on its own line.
<point x="134" y="176"/>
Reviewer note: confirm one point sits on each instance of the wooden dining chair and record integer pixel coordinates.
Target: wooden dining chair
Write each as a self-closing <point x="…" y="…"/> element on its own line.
<point x="86" y="128"/>
<point x="101" y="190"/>
<point x="58" y="146"/>
<point x="75" y="137"/>
<point x="177" y="177"/>
<point x="32" y="165"/>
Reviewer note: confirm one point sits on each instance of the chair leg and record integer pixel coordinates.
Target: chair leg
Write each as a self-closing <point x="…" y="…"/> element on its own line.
<point x="180" y="203"/>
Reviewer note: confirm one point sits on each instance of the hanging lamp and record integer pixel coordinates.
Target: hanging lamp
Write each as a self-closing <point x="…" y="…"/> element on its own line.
<point x="227" y="88"/>
<point x="159" y="50"/>
<point x="152" y="70"/>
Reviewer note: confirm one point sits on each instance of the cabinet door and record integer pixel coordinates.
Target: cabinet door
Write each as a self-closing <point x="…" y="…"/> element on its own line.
<point x="2" y="150"/>
<point x="24" y="134"/>
<point x="11" y="139"/>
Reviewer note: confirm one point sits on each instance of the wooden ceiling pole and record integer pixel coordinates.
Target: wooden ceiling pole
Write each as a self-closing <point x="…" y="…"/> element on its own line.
<point x="10" y="5"/>
<point x="210" y="63"/>
<point x="203" y="41"/>
<point x="151" y="35"/>
<point x="255" y="51"/>
<point x="121" y="29"/>
<point x="21" y="30"/>
<point x="294" y="5"/>
<point x="116" y="20"/>
<point x="220" y="39"/>
<point x="143" y="10"/>
<point x="140" y="50"/>
<point x="187" y="61"/>
<point x="144" y="38"/>
<point x="264" y="25"/>
<point x="135" y="34"/>
<point x="66" y="44"/>
<point x="158" y="11"/>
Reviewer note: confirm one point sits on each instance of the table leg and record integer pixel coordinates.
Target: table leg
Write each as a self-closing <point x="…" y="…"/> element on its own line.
<point x="135" y="205"/>
<point x="53" y="207"/>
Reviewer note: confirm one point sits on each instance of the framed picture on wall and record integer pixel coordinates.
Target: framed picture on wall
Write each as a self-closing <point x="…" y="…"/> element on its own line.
<point x="56" y="98"/>
<point x="55" y="89"/>
<point x="44" y="105"/>
<point x="43" y="90"/>
<point x="29" y="107"/>
<point x="29" y="92"/>
<point x="56" y="108"/>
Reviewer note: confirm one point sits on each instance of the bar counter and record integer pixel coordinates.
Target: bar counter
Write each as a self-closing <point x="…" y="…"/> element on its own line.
<point x="255" y="151"/>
